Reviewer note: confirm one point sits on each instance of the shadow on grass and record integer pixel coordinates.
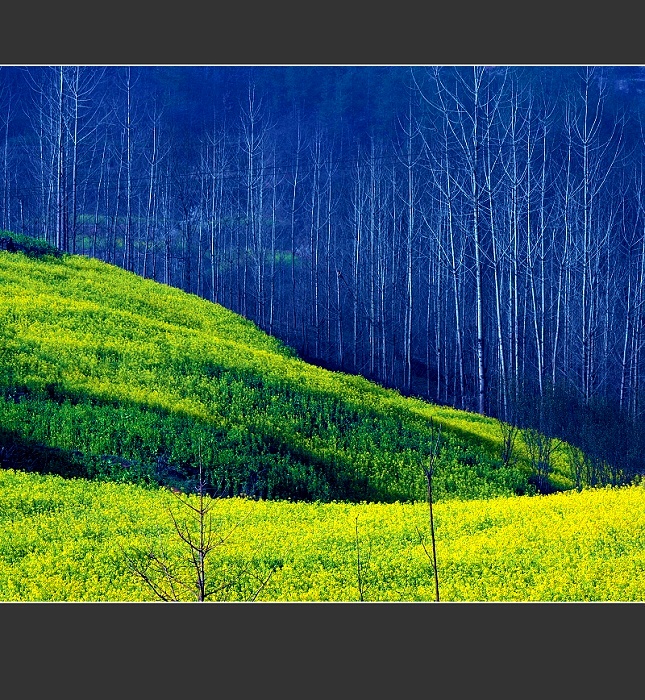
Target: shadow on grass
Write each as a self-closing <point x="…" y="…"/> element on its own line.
<point x="21" y="454"/>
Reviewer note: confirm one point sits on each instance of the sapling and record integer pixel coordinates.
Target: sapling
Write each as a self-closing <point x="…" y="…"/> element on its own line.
<point x="540" y="449"/>
<point x="436" y="444"/>
<point x="172" y="583"/>
<point x="509" y="433"/>
<point x="361" y="565"/>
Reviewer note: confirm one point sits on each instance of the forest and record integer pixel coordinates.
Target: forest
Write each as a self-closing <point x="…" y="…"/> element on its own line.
<point x="470" y="235"/>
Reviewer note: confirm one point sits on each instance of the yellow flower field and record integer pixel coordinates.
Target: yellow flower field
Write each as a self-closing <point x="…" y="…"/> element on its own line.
<point x="70" y="540"/>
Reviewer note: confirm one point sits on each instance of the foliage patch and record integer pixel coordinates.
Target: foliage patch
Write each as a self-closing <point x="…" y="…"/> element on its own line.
<point x="107" y="375"/>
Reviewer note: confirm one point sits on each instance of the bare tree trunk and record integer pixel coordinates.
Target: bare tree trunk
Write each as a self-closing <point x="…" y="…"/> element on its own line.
<point x="7" y="105"/>
<point x="272" y="272"/>
<point x="128" y="261"/>
<point x="61" y="218"/>
<point x="151" y="198"/>
<point x="294" y="194"/>
<point x="356" y="272"/>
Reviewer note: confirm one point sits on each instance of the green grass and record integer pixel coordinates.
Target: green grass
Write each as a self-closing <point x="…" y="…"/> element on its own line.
<point x="106" y="375"/>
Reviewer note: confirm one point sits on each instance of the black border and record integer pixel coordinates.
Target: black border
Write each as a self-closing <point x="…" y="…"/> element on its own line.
<point x="323" y="649"/>
<point x="327" y="34"/>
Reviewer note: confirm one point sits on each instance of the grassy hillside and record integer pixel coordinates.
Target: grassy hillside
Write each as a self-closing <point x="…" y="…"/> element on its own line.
<point x="106" y="375"/>
<point x="72" y="539"/>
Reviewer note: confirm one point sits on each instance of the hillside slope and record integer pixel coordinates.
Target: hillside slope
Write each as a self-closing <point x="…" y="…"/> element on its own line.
<point x="105" y="374"/>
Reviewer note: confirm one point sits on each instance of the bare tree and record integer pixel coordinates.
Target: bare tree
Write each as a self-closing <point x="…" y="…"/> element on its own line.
<point x="7" y="108"/>
<point x="509" y="433"/>
<point x="191" y="580"/>
<point x="435" y="447"/>
<point x="540" y="448"/>
<point x="597" y="150"/>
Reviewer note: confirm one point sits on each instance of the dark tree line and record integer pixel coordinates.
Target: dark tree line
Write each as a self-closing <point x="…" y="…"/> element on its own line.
<point x="473" y="235"/>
